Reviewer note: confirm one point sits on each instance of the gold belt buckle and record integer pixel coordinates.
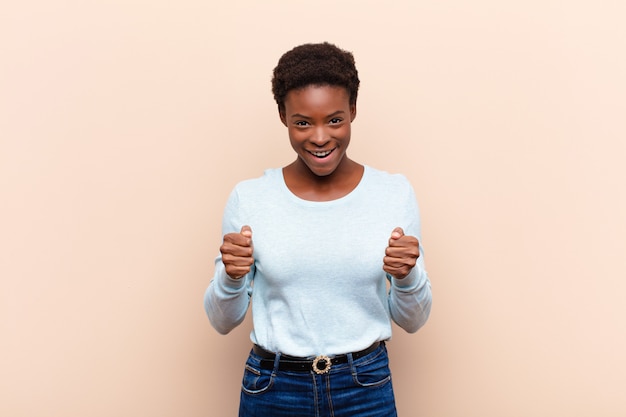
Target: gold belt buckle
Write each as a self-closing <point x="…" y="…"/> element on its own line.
<point x="321" y="364"/>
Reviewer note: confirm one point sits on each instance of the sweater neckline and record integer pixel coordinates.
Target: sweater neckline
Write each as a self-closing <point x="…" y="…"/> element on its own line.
<point x="340" y="200"/>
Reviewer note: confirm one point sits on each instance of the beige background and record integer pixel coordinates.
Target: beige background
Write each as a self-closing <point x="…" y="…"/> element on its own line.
<point x="124" y="125"/>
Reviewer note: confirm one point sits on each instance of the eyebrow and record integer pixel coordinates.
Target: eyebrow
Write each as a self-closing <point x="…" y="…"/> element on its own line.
<point x="302" y="116"/>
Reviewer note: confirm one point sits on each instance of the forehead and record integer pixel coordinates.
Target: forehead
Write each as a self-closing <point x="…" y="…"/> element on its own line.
<point x="317" y="97"/>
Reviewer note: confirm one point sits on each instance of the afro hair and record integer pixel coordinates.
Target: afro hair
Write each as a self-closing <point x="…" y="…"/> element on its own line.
<point x="314" y="64"/>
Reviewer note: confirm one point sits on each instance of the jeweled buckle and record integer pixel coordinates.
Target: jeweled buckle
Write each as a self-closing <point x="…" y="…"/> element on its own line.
<point x="321" y="364"/>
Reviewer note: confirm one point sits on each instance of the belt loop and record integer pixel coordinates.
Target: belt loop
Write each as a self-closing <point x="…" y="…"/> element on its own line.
<point x="351" y="363"/>
<point x="276" y="363"/>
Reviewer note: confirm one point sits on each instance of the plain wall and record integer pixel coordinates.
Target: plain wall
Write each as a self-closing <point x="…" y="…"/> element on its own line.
<point x="125" y="124"/>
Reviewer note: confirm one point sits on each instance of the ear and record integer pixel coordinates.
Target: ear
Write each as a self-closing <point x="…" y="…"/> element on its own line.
<point x="352" y="112"/>
<point x="281" y="114"/>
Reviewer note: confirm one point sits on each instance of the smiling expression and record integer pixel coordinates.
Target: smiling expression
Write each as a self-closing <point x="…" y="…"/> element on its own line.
<point x="318" y="119"/>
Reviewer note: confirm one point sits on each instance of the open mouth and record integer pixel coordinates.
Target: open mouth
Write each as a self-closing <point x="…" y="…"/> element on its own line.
<point x="321" y="154"/>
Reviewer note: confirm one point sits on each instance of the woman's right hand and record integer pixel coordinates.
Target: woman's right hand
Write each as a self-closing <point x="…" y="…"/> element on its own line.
<point x="237" y="251"/>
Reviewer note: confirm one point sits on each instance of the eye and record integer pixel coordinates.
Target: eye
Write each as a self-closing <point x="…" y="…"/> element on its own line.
<point x="335" y="120"/>
<point x="301" y="123"/>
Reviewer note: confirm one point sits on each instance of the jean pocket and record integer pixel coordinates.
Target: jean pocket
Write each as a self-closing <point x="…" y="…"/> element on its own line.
<point x="373" y="374"/>
<point x="256" y="380"/>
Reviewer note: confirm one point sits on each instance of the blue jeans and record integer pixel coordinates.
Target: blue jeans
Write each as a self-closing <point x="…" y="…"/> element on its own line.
<point x="358" y="388"/>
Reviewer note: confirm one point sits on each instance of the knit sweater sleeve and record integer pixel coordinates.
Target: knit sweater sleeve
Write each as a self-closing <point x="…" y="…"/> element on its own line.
<point x="410" y="298"/>
<point x="226" y="300"/>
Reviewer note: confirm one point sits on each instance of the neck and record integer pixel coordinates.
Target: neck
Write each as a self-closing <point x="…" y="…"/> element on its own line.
<point x="306" y="185"/>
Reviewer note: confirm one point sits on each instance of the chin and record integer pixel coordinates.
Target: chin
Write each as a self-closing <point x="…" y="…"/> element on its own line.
<point x="322" y="172"/>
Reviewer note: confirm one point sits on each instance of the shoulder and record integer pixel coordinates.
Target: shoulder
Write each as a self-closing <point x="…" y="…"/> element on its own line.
<point x="253" y="193"/>
<point x="269" y="180"/>
<point x="387" y="181"/>
<point x="251" y="198"/>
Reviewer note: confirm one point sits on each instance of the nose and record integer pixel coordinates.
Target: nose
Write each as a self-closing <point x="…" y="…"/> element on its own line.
<point x="320" y="136"/>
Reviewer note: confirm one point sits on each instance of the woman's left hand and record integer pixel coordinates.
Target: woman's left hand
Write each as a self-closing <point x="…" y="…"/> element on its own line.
<point x="401" y="254"/>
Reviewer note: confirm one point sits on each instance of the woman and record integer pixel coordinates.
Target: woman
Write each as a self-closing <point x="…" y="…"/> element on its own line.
<point x="327" y="249"/>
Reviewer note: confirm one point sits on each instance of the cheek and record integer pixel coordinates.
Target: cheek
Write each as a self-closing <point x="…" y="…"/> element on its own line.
<point x="297" y="136"/>
<point x="344" y="133"/>
<point x="295" y="142"/>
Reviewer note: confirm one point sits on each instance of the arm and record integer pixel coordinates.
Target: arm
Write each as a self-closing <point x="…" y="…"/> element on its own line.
<point x="410" y="296"/>
<point x="227" y="298"/>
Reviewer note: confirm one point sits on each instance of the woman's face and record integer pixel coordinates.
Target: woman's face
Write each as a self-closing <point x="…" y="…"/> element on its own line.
<point x="318" y="119"/>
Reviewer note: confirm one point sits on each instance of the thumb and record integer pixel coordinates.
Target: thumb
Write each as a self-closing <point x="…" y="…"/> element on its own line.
<point x="397" y="233"/>
<point x="246" y="231"/>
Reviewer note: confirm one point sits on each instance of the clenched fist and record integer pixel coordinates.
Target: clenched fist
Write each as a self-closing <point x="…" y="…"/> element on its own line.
<point x="401" y="254"/>
<point x="237" y="250"/>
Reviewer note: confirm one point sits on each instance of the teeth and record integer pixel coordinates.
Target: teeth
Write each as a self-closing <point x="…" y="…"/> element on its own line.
<point x="321" y="154"/>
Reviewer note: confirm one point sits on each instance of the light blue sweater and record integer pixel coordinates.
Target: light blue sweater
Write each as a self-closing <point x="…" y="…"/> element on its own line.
<point x="317" y="285"/>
